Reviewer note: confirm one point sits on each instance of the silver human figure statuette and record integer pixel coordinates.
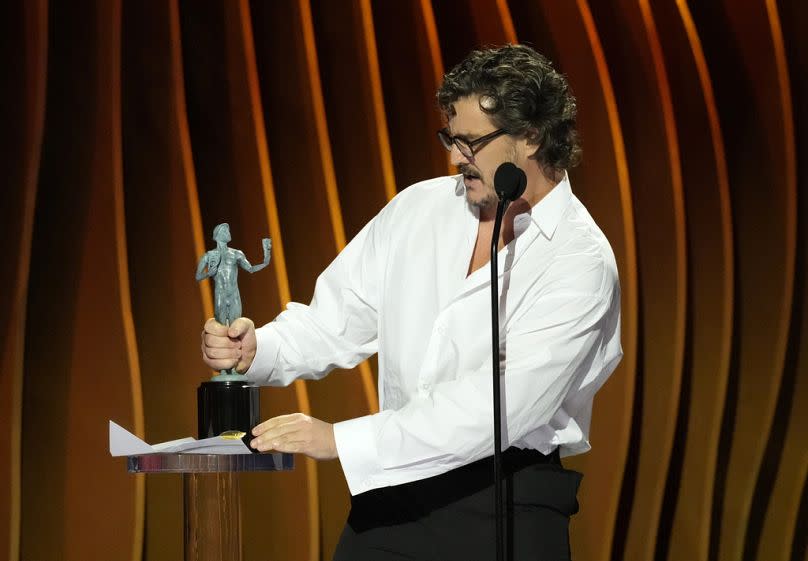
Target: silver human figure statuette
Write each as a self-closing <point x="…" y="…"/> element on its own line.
<point x="222" y="265"/>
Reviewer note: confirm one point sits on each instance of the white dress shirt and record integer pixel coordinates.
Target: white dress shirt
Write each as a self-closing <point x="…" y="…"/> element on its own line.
<point x="400" y="288"/>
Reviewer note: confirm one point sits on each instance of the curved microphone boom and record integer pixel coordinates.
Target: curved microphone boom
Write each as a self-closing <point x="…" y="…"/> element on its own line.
<point x="509" y="183"/>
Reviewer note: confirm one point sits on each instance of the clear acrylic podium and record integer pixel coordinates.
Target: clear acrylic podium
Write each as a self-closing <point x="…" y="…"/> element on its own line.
<point x="212" y="504"/>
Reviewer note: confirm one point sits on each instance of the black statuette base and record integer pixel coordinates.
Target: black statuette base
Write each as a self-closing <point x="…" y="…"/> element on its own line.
<point x="223" y="406"/>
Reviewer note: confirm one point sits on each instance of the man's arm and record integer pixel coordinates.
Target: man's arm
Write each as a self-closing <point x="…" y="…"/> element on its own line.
<point x="338" y="329"/>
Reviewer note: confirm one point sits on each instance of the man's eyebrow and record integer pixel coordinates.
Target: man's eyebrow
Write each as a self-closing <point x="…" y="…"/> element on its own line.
<point x="465" y="136"/>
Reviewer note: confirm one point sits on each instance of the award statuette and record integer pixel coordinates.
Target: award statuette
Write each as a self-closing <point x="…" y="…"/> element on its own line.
<point x="228" y="402"/>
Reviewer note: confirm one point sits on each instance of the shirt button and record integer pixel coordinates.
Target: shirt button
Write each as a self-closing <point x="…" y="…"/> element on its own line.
<point x="425" y="386"/>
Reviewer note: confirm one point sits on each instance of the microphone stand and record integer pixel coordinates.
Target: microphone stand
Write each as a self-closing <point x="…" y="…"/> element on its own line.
<point x="499" y="517"/>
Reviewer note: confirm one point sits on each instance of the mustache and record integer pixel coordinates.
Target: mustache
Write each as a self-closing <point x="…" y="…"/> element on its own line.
<point x="466" y="169"/>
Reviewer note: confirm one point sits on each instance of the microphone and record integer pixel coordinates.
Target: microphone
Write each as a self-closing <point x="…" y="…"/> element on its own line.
<point x="509" y="182"/>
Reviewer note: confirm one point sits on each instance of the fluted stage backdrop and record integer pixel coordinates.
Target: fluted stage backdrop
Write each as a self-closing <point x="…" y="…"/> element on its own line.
<point x="131" y="127"/>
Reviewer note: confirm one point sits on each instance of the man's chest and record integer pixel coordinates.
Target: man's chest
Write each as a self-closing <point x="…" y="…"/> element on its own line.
<point x="482" y="248"/>
<point x="481" y="255"/>
<point x="436" y="294"/>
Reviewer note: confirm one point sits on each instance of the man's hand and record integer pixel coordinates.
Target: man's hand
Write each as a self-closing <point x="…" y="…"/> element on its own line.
<point x="224" y="347"/>
<point x="296" y="434"/>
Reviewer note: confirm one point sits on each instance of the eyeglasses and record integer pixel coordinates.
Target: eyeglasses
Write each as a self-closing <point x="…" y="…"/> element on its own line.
<point x="466" y="147"/>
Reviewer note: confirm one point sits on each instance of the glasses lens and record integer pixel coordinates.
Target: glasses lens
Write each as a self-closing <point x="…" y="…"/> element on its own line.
<point x="445" y="139"/>
<point x="448" y="142"/>
<point x="464" y="148"/>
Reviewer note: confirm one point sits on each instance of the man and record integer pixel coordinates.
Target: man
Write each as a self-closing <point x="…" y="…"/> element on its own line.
<point x="414" y="286"/>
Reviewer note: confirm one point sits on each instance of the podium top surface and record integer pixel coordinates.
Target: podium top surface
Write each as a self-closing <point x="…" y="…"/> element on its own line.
<point x="209" y="463"/>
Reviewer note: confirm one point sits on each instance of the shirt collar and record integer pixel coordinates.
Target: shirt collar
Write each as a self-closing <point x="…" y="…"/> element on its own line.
<point x="547" y="212"/>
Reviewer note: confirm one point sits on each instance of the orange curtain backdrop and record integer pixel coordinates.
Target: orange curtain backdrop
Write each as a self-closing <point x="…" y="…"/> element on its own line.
<point x="684" y="529"/>
<point x="23" y="111"/>
<point x="757" y="121"/>
<point x="81" y="362"/>
<point x="644" y="103"/>
<point x="131" y="128"/>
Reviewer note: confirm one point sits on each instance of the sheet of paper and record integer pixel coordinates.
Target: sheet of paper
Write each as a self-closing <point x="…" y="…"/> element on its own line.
<point x="124" y="443"/>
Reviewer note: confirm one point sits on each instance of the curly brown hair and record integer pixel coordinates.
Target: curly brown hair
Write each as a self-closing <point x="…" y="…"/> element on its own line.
<point x="523" y="94"/>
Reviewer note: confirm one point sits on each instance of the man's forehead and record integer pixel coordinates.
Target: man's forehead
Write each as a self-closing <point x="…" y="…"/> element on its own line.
<point x="467" y="119"/>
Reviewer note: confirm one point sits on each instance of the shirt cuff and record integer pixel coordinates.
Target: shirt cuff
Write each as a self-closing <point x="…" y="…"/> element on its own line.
<point x="266" y="357"/>
<point x="358" y="454"/>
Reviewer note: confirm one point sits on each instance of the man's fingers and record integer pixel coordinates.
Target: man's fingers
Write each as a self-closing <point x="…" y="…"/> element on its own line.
<point x="226" y="353"/>
<point x="289" y="447"/>
<point x="269" y="424"/>
<point x="278" y="421"/>
<point x="270" y="441"/>
<point x="220" y="342"/>
<point x="220" y="359"/>
<point x="243" y="366"/>
<point x="215" y="328"/>
<point x="219" y="363"/>
<point x="219" y="351"/>
<point x="240" y="327"/>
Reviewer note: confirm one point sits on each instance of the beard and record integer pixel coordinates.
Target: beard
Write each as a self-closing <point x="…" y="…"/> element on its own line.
<point x="489" y="201"/>
<point x="484" y="196"/>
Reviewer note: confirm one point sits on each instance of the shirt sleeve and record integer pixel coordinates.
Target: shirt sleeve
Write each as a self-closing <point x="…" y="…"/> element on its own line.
<point x="338" y="329"/>
<point x="563" y="343"/>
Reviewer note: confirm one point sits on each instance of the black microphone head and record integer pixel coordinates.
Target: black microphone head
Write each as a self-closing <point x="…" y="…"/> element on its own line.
<point x="509" y="181"/>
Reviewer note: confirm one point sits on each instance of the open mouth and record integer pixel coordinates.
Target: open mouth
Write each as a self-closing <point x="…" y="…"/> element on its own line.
<point x="469" y="175"/>
<point x="471" y="181"/>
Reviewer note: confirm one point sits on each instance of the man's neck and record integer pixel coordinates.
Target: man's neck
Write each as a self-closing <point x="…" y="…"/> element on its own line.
<point x="538" y="185"/>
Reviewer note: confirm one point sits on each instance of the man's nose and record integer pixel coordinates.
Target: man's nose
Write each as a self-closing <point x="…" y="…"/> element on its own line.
<point x="456" y="157"/>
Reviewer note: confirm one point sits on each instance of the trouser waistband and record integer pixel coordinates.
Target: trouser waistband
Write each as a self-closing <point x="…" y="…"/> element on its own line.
<point x="418" y="498"/>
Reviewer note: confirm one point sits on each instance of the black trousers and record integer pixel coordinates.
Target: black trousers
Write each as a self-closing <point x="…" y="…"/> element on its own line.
<point x="451" y="516"/>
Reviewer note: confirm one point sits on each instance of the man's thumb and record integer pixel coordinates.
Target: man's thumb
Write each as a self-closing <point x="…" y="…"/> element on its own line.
<point x="239" y="327"/>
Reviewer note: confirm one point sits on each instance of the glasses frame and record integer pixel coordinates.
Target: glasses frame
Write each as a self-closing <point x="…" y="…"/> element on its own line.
<point x="466" y="147"/>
